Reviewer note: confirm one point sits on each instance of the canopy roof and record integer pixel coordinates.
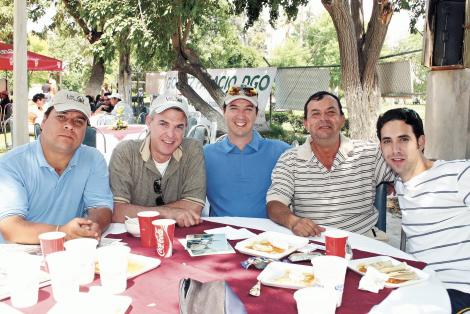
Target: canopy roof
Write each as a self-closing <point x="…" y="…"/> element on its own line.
<point x="36" y="62"/>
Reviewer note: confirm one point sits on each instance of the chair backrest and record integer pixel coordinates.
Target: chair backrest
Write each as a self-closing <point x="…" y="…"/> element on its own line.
<point x="381" y="204"/>
<point x="37" y="130"/>
<point x="90" y="136"/>
<point x="200" y="132"/>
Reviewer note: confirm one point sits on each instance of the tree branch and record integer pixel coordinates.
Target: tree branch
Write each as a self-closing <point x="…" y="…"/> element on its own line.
<point x="376" y="31"/>
<point x="72" y="10"/>
<point x="207" y="110"/>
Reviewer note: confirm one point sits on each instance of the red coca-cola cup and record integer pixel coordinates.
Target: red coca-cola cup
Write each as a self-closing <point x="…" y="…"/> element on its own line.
<point x="164" y="234"/>
<point x="51" y="242"/>
<point x="147" y="234"/>
<point x="335" y="242"/>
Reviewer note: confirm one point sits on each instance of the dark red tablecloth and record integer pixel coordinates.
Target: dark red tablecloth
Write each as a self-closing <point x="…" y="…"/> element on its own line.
<point x="157" y="291"/>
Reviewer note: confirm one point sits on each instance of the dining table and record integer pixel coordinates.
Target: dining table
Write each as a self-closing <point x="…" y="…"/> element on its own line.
<point x="157" y="291"/>
<point x="108" y="137"/>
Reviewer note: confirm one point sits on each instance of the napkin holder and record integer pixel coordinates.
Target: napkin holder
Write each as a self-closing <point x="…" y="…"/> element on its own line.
<point x="196" y="297"/>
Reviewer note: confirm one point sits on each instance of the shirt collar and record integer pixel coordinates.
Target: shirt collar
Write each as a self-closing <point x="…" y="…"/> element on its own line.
<point x="42" y="159"/>
<point x="305" y="151"/>
<point x="146" y="154"/>
<point x="255" y="143"/>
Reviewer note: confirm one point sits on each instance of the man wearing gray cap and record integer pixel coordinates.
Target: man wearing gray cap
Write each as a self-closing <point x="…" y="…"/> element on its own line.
<point x="55" y="183"/>
<point x="163" y="172"/>
<point x="121" y="108"/>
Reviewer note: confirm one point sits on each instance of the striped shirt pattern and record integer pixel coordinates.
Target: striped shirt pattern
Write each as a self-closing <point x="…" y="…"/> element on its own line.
<point x="435" y="208"/>
<point x="341" y="197"/>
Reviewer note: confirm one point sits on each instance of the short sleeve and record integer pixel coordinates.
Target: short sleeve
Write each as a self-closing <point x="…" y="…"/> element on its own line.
<point x="382" y="171"/>
<point x="120" y="176"/>
<point x="282" y="180"/>
<point x="463" y="184"/>
<point x="97" y="191"/>
<point x="194" y="184"/>
<point x="14" y="196"/>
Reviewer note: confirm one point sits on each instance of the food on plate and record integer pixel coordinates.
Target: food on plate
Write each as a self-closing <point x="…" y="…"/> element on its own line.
<point x="290" y="277"/>
<point x="397" y="273"/>
<point x="265" y="246"/>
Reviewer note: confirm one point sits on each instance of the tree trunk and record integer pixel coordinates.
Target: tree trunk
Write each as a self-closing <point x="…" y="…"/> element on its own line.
<point x="187" y="62"/>
<point x="359" y="53"/>
<point x="363" y="112"/>
<point x="199" y="103"/>
<point x="93" y="86"/>
<point x="125" y="72"/>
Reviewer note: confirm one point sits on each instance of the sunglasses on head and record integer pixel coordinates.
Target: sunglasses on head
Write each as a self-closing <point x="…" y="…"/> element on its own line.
<point x="157" y="187"/>
<point x="245" y="90"/>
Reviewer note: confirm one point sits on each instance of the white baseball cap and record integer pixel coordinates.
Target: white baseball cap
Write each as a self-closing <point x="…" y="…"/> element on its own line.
<point x="165" y="102"/>
<point x="115" y="95"/>
<point x="66" y="100"/>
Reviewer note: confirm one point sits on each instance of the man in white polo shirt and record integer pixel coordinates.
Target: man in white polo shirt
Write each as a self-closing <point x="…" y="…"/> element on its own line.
<point x="328" y="181"/>
<point x="434" y="200"/>
<point x="55" y="182"/>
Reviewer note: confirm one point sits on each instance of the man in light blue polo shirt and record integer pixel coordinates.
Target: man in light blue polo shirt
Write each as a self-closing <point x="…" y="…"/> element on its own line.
<point x="238" y="168"/>
<point x="55" y="183"/>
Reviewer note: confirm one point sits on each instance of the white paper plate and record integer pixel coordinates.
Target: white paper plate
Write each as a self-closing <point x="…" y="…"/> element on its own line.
<point x="137" y="265"/>
<point x="292" y="242"/>
<point x="92" y="304"/>
<point x="285" y="275"/>
<point x="356" y="263"/>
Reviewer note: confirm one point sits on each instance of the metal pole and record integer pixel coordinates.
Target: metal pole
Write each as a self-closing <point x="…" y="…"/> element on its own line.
<point x="20" y="134"/>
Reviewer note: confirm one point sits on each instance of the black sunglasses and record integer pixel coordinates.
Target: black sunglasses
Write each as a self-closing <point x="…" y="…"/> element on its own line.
<point x="157" y="187"/>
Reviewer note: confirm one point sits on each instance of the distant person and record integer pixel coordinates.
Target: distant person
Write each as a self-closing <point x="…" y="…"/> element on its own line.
<point x="4" y="100"/>
<point x="163" y="172"/>
<point x="36" y="110"/>
<point x="55" y="183"/>
<point x="330" y="180"/>
<point x="434" y="199"/>
<point x="238" y="168"/>
<point x="121" y="107"/>
<point x="46" y="90"/>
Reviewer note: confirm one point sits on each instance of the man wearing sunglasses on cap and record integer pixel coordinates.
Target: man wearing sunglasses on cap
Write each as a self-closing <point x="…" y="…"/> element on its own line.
<point x="239" y="167"/>
<point x="163" y="172"/>
<point x="330" y="180"/>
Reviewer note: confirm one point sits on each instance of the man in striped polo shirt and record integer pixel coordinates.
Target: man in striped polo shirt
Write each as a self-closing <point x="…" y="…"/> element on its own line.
<point x="330" y="180"/>
<point x="435" y="202"/>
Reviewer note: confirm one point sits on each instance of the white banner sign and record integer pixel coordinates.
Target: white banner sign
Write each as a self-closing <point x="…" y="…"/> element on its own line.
<point x="260" y="78"/>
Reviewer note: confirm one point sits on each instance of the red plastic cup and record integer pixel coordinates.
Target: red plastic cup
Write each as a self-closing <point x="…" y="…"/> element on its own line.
<point x="164" y="234"/>
<point x="147" y="234"/>
<point x="51" y="242"/>
<point x="335" y="242"/>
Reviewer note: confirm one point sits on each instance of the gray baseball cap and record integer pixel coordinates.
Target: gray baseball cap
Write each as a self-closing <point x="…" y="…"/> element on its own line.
<point x="66" y="100"/>
<point x="165" y="102"/>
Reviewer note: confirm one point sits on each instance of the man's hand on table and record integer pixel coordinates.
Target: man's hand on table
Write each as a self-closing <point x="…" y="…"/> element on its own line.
<point x="184" y="217"/>
<point x="305" y="227"/>
<point x="81" y="228"/>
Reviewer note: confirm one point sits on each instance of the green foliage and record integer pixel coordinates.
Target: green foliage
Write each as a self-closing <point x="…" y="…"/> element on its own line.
<point x="292" y="53"/>
<point x="279" y="133"/>
<point x="253" y="9"/>
<point x="6" y="20"/>
<point x="219" y="46"/>
<point x="420" y="72"/>
<point x="294" y="129"/>
<point x="76" y="58"/>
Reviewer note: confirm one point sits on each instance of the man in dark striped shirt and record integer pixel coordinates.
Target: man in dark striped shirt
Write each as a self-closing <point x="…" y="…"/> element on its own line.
<point x="435" y="202"/>
<point x="328" y="181"/>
